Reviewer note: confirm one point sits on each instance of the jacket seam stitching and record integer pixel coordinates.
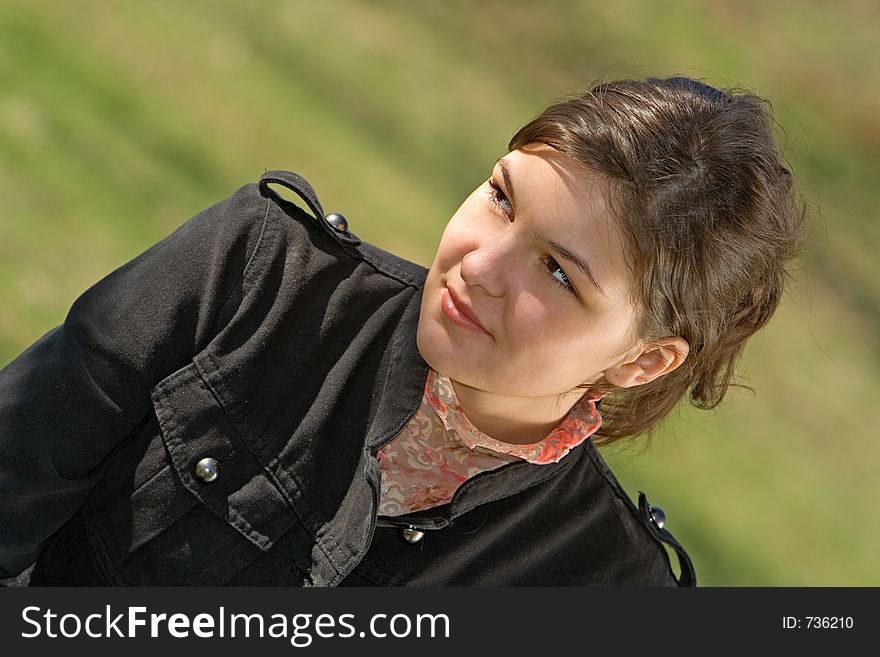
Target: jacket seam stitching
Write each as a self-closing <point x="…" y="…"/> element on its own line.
<point x="263" y="238"/>
<point x="245" y="270"/>
<point x="150" y="479"/>
<point x="398" y="274"/>
<point x="311" y="512"/>
<point x="221" y="392"/>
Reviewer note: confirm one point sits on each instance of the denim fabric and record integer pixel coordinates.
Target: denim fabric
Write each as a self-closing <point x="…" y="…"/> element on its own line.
<point x="262" y="337"/>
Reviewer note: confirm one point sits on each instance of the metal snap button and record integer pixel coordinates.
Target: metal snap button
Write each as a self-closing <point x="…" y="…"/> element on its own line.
<point x="658" y="516"/>
<point x="412" y="535"/>
<point x="207" y="469"/>
<point x="338" y="222"/>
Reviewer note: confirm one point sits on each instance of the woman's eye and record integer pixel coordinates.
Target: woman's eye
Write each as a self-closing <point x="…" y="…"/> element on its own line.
<point x="562" y="280"/>
<point x="499" y="199"/>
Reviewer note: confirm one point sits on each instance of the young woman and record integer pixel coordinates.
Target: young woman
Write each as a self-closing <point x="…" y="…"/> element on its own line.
<point x="261" y="398"/>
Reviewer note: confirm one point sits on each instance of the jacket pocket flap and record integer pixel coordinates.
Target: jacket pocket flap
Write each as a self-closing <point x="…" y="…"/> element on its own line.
<point x="230" y="480"/>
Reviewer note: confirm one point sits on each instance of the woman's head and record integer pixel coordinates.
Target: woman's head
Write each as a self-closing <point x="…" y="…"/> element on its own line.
<point x="674" y="195"/>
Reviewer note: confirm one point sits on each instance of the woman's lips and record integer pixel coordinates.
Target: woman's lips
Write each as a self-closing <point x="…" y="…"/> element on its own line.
<point x="457" y="314"/>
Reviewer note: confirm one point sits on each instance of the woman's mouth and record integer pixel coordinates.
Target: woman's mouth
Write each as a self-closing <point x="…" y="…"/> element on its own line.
<point x="459" y="315"/>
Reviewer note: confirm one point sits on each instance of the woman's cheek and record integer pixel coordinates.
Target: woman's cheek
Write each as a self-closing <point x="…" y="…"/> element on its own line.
<point x="535" y="316"/>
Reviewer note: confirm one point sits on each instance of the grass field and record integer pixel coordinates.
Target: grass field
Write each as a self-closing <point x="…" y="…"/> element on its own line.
<point x="119" y="121"/>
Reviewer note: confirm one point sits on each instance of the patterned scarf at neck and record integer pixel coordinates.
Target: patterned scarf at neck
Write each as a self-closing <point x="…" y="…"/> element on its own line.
<point x="580" y="423"/>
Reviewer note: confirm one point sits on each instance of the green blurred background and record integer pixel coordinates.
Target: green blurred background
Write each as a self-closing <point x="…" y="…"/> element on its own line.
<point x="120" y="120"/>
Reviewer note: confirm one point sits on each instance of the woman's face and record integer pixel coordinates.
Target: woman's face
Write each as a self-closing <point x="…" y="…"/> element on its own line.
<point x="548" y="325"/>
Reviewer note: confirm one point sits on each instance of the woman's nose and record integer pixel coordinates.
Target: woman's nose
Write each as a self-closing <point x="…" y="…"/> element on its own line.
<point x="487" y="266"/>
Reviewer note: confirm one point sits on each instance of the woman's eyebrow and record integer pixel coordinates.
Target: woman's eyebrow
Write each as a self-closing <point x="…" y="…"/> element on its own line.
<point x="563" y="252"/>
<point x="505" y="173"/>
<point x="573" y="258"/>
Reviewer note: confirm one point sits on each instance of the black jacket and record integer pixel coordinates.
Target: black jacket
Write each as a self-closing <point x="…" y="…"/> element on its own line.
<point x="280" y="349"/>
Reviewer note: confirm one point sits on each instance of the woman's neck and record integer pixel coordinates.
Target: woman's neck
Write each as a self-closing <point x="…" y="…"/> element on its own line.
<point x="515" y="420"/>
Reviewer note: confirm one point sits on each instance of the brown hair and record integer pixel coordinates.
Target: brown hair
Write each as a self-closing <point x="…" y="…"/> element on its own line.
<point x="710" y="219"/>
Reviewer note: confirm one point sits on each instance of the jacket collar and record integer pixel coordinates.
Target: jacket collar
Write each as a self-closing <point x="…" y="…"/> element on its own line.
<point x="404" y="382"/>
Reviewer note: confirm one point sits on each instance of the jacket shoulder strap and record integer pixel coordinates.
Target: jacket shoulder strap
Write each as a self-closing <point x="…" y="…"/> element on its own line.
<point x="654" y="519"/>
<point x="295" y="183"/>
<point x="334" y="224"/>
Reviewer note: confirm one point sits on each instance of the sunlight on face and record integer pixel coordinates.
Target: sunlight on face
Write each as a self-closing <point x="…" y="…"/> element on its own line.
<point x="534" y="257"/>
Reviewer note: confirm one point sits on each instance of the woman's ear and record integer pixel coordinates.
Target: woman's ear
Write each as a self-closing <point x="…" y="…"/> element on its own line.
<point x="654" y="360"/>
